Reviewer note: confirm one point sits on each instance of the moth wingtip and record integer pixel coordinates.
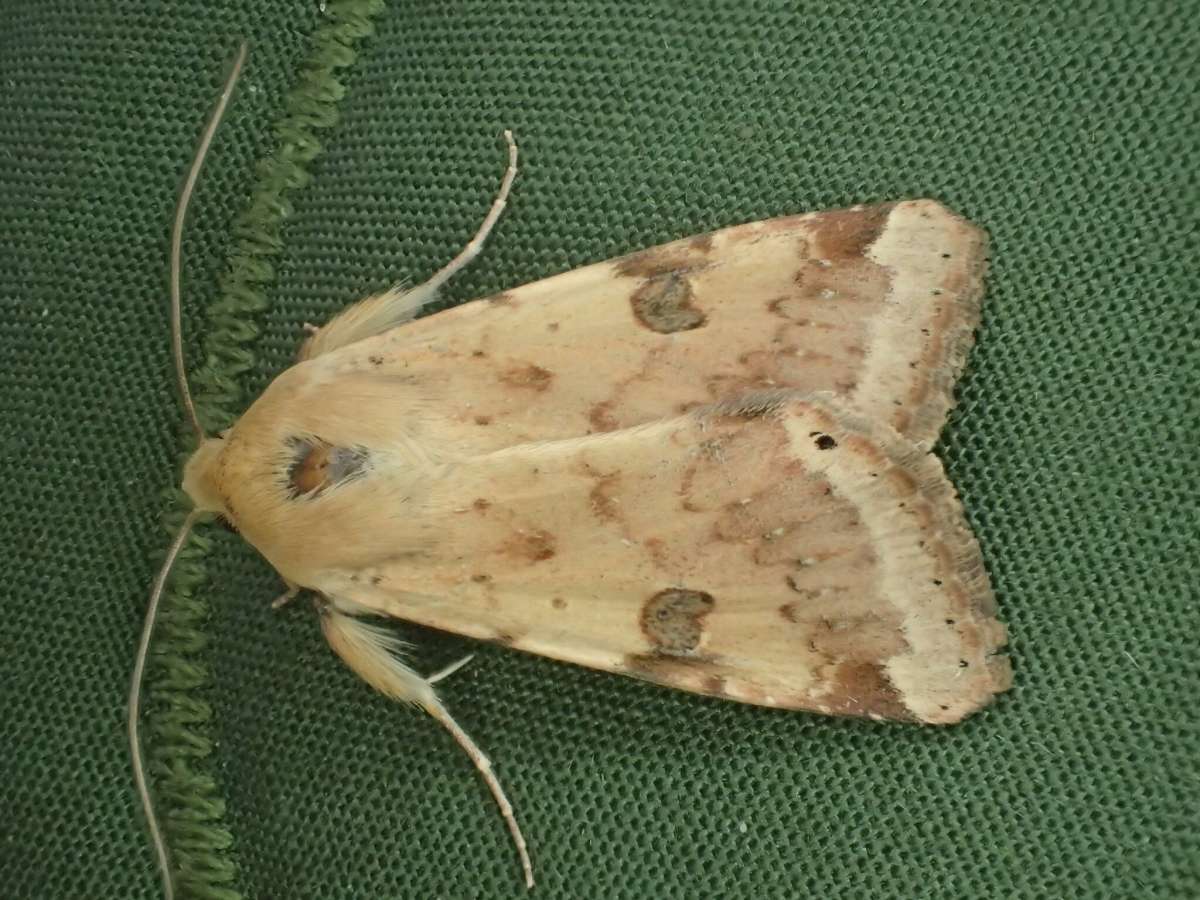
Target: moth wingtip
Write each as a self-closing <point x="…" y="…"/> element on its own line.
<point x="926" y="207"/>
<point x="933" y="210"/>
<point x="1000" y="671"/>
<point x="996" y="679"/>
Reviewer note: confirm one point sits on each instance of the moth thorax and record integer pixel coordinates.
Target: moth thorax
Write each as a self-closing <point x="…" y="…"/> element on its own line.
<point x="199" y="476"/>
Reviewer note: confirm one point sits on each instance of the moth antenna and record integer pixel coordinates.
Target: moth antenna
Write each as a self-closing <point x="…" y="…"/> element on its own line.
<point x="397" y="305"/>
<point x="475" y="245"/>
<point x="484" y="766"/>
<point x="181" y="208"/>
<point x="135" y="706"/>
<point x="370" y="652"/>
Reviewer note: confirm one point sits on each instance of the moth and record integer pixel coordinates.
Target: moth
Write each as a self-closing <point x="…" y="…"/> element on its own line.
<point x="706" y="465"/>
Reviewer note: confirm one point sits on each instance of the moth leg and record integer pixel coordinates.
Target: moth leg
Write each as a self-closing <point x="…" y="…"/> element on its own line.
<point x="395" y="306"/>
<point x="287" y="596"/>
<point x="450" y="669"/>
<point x="370" y="651"/>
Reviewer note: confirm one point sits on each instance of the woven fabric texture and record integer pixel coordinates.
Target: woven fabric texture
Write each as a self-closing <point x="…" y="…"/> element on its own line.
<point x="1069" y="130"/>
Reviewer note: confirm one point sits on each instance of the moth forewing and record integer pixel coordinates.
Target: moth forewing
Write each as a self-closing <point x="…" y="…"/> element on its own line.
<point x="876" y="304"/>
<point x="776" y="550"/>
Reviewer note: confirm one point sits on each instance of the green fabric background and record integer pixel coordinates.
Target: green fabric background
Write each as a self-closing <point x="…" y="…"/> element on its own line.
<point x="1068" y="130"/>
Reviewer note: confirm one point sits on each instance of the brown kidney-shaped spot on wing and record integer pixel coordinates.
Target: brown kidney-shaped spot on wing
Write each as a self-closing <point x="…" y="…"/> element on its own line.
<point x="314" y="465"/>
<point x="673" y="620"/>
<point x="665" y="304"/>
<point x="529" y="377"/>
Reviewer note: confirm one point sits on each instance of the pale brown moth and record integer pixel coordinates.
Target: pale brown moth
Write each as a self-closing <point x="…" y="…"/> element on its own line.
<point x="706" y="465"/>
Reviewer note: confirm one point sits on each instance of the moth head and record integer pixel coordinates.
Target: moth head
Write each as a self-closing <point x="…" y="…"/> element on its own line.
<point x="200" y="477"/>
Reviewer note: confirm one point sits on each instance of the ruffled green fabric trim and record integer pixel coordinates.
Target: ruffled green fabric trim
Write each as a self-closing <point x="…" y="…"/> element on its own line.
<point x="187" y="792"/>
